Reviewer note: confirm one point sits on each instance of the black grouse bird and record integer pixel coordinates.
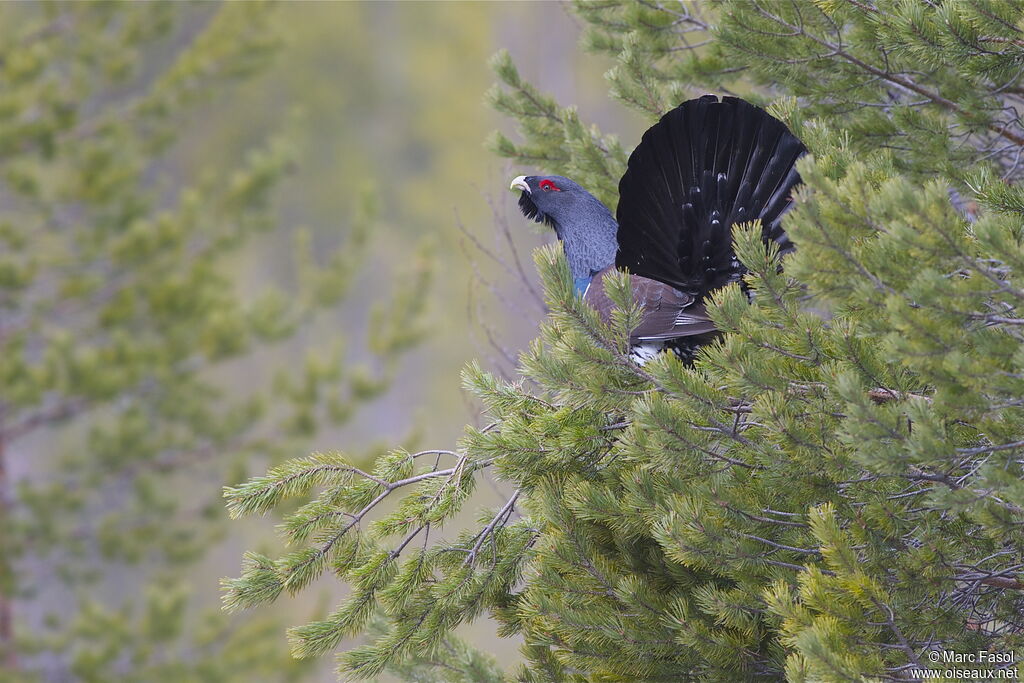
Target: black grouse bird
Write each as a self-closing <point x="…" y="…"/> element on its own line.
<point x="705" y="166"/>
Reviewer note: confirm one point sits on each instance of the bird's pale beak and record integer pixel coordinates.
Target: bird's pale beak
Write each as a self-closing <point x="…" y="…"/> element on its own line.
<point x="520" y="184"/>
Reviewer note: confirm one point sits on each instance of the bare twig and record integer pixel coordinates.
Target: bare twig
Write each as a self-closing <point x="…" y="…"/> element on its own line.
<point x="503" y="514"/>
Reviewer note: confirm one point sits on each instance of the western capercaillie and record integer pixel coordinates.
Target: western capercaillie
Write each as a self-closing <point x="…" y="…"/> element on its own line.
<point x="704" y="167"/>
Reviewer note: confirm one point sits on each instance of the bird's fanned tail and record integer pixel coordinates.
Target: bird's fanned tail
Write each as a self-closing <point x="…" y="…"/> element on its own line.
<point x="705" y="166"/>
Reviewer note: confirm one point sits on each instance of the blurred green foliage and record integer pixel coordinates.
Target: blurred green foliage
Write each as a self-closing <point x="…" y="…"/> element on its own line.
<point x="140" y="366"/>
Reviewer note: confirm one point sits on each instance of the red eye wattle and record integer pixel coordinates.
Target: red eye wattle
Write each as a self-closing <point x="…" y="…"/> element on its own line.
<point x="549" y="185"/>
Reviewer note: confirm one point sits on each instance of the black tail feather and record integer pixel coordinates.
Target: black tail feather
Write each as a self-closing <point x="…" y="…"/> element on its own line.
<point x="703" y="167"/>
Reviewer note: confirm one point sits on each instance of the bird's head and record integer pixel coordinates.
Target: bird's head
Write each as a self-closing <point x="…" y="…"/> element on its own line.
<point x="552" y="199"/>
<point x="583" y="224"/>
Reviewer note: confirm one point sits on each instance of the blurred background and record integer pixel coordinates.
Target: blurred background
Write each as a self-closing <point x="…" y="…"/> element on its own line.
<point x="229" y="235"/>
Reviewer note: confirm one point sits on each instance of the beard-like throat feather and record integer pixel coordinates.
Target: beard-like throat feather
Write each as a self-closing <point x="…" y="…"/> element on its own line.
<point x="532" y="212"/>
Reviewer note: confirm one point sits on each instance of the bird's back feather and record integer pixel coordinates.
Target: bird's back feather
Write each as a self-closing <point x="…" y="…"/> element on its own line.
<point x="668" y="313"/>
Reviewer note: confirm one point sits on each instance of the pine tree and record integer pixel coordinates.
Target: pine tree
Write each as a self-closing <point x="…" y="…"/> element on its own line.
<point x="831" y="492"/>
<point x="120" y="318"/>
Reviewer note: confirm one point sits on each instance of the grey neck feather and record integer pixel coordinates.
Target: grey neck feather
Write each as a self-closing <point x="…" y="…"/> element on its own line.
<point x="588" y="234"/>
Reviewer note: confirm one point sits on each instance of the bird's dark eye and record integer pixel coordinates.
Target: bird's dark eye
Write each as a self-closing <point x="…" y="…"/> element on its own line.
<point x="547" y="185"/>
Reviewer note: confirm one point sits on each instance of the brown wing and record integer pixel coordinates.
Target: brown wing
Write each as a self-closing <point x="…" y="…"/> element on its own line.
<point x="668" y="312"/>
